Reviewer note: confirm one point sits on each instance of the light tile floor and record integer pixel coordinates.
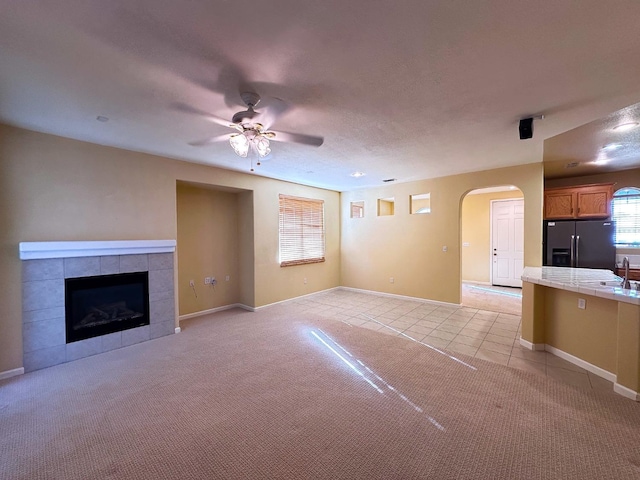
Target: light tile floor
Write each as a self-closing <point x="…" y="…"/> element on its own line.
<point x="490" y="297"/>
<point x="485" y="334"/>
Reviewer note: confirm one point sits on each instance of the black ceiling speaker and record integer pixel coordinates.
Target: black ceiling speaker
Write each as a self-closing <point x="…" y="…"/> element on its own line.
<point x="526" y="128"/>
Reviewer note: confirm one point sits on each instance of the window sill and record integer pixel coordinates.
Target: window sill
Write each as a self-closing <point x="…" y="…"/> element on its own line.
<point x="293" y="263"/>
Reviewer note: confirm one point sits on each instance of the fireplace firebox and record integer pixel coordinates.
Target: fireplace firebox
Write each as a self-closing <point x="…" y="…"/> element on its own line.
<point x="105" y="304"/>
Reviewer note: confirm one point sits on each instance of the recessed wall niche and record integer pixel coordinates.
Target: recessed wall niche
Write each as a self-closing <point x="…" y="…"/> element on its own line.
<point x="386" y="206"/>
<point x="357" y="209"/>
<point x="420" y="203"/>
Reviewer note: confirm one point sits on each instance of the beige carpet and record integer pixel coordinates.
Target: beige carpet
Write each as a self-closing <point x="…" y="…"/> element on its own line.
<point x="276" y="394"/>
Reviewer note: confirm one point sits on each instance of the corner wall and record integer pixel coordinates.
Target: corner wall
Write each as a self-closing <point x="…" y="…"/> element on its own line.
<point x="409" y="248"/>
<point x="208" y="246"/>
<point x="53" y="188"/>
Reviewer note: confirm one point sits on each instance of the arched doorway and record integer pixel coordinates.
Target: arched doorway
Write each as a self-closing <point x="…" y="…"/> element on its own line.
<point x="492" y="232"/>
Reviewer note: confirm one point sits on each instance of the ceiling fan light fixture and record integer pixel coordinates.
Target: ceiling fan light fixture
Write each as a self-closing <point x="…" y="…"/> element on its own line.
<point x="262" y="146"/>
<point x="240" y="144"/>
<point x="251" y="129"/>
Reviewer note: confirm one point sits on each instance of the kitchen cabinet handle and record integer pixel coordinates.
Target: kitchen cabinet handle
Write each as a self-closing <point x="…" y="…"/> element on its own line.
<point x="578" y="250"/>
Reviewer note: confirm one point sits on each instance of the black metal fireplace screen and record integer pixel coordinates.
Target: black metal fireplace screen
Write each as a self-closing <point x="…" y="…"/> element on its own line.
<point x="105" y="304"/>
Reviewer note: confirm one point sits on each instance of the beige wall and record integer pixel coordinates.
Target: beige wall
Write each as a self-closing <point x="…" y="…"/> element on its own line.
<point x="409" y="247"/>
<point x="476" y="231"/>
<point x="52" y="188"/>
<point x="386" y="207"/>
<point x="590" y="334"/>
<point x="208" y="246"/>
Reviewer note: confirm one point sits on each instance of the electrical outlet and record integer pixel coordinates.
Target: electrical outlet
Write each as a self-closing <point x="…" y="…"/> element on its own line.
<point x="305" y="280"/>
<point x="391" y="279"/>
<point x="226" y="279"/>
<point x="207" y="280"/>
<point x="192" y="283"/>
<point x="582" y="303"/>
<point x="214" y="282"/>
<point x="444" y="248"/>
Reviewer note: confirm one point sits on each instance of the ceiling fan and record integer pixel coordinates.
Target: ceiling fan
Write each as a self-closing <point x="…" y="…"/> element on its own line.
<point x="253" y="129"/>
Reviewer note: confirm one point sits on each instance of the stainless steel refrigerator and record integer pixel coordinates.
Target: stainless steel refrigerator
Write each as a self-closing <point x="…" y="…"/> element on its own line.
<point x="579" y="243"/>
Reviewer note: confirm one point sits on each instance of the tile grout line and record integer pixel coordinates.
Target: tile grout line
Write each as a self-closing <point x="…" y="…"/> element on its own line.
<point x="406" y="318"/>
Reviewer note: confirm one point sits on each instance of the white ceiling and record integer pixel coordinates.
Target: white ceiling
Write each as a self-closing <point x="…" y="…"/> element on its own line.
<point x="595" y="147"/>
<point x="407" y="89"/>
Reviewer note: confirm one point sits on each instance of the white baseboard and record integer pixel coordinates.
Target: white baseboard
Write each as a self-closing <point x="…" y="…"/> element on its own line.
<point x="473" y="282"/>
<point x="626" y="392"/>
<point x="213" y="310"/>
<point x="247" y="307"/>
<point x="293" y="299"/>
<point x="581" y="363"/>
<point x="620" y="389"/>
<point x="11" y="373"/>
<point x="538" y="347"/>
<point x="402" y="297"/>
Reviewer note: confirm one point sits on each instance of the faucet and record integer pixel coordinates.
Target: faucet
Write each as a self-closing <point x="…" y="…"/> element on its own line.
<point x="625" y="280"/>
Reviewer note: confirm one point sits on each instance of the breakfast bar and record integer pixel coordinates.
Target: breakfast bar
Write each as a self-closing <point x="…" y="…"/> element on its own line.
<point x="585" y="317"/>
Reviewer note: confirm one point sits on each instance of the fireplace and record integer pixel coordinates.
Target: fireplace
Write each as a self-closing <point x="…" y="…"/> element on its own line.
<point x="105" y="304"/>
<point x="130" y="278"/>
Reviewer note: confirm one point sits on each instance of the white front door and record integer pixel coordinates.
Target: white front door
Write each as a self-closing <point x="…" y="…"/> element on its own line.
<point x="507" y="242"/>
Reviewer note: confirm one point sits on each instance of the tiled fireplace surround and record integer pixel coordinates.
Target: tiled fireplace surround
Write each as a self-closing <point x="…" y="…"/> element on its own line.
<point x="43" y="295"/>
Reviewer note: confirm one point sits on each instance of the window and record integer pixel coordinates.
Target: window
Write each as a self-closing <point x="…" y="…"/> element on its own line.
<point x="420" y="203"/>
<point x="386" y="206"/>
<point x="357" y="209"/>
<point x="301" y="231"/>
<point x="625" y="210"/>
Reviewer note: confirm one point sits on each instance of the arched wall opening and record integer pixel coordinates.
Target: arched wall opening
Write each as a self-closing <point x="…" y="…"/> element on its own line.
<point x="491" y="251"/>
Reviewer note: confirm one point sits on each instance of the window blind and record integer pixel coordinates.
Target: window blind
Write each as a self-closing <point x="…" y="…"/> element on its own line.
<point x="301" y="231"/>
<point x="625" y="210"/>
<point x="357" y="211"/>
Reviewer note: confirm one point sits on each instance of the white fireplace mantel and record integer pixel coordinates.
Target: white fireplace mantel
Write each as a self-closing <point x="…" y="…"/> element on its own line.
<point x="40" y="250"/>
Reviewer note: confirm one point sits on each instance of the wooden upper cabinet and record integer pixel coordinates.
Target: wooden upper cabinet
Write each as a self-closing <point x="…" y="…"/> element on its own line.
<point x="595" y="201"/>
<point x="559" y="204"/>
<point x="587" y="201"/>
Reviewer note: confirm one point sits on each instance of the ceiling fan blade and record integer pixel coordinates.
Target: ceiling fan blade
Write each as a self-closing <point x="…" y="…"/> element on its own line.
<point x="208" y="141"/>
<point x="183" y="107"/>
<point x="272" y="109"/>
<point x="297" y="138"/>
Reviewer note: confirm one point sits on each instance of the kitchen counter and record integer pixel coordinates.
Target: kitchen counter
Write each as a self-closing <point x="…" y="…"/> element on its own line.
<point x="594" y="282"/>
<point x="585" y="317"/>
